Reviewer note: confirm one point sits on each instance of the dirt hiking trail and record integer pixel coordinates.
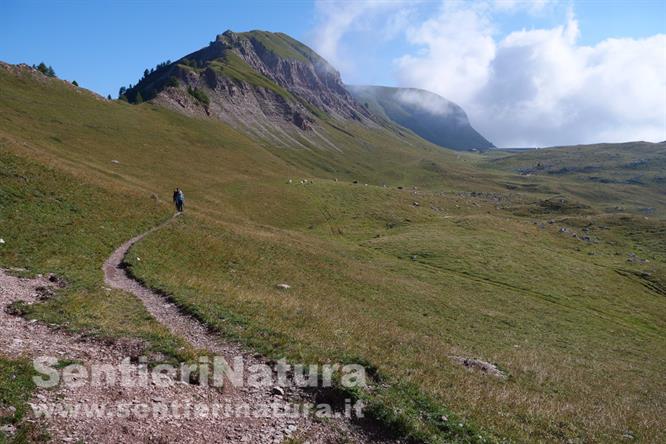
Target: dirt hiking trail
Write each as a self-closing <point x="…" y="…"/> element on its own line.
<point x="96" y="418"/>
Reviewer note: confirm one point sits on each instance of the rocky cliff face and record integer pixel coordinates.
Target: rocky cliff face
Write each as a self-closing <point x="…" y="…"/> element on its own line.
<point x="266" y="83"/>
<point x="294" y="67"/>
<point x="274" y="87"/>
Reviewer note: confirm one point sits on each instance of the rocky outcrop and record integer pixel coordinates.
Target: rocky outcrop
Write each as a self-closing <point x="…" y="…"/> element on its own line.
<point x="266" y="83"/>
<point x="297" y="68"/>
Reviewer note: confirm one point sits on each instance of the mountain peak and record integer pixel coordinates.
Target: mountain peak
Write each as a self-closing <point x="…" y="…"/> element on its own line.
<point x="278" y="43"/>
<point x="275" y="87"/>
<point x="254" y="80"/>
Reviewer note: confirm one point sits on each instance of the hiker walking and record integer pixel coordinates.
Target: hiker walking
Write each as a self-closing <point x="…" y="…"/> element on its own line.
<point x="179" y="199"/>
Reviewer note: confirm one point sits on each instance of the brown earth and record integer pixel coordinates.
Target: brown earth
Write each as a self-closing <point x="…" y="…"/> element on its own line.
<point x="103" y="423"/>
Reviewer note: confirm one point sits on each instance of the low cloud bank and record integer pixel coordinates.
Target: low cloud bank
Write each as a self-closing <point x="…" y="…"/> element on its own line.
<point x="535" y="87"/>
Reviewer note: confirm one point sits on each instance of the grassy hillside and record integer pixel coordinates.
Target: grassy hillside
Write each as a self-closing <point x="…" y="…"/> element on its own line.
<point x="459" y="261"/>
<point x="614" y="177"/>
<point x="51" y="223"/>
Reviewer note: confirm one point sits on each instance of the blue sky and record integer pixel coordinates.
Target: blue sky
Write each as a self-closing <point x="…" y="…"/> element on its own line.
<point x="104" y="45"/>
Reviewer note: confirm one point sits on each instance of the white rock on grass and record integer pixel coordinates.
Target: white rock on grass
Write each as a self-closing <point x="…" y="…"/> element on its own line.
<point x="283" y="286"/>
<point x="8" y="429"/>
<point x="2" y="241"/>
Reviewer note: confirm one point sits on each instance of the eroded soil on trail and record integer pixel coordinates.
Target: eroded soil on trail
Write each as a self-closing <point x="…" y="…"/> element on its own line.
<point x="115" y="412"/>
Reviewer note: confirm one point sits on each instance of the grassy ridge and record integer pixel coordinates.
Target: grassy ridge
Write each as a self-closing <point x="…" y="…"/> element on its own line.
<point x="235" y="68"/>
<point x="282" y="45"/>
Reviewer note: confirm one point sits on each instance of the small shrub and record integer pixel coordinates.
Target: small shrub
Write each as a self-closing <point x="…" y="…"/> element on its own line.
<point x="46" y="70"/>
<point x="199" y="95"/>
<point x="162" y="65"/>
<point x="173" y="82"/>
<point x="17" y="308"/>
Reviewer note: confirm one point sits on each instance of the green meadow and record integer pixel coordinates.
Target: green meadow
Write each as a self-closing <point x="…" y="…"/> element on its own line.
<point x="431" y="255"/>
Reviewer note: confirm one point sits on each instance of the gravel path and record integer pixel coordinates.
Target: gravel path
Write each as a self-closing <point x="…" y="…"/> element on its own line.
<point x="21" y="337"/>
<point x="166" y="313"/>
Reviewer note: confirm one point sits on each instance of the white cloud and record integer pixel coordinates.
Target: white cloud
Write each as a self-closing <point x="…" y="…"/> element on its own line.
<point x="456" y="51"/>
<point x="337" y="18"/>
<point x="538" y="87"/>
<point x="426" y="101"/>
<point x="533" y="86"/>
<point x="531" y="6"/>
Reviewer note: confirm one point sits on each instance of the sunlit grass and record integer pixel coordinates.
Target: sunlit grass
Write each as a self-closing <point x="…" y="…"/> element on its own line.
<point x="400" y="279"/>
